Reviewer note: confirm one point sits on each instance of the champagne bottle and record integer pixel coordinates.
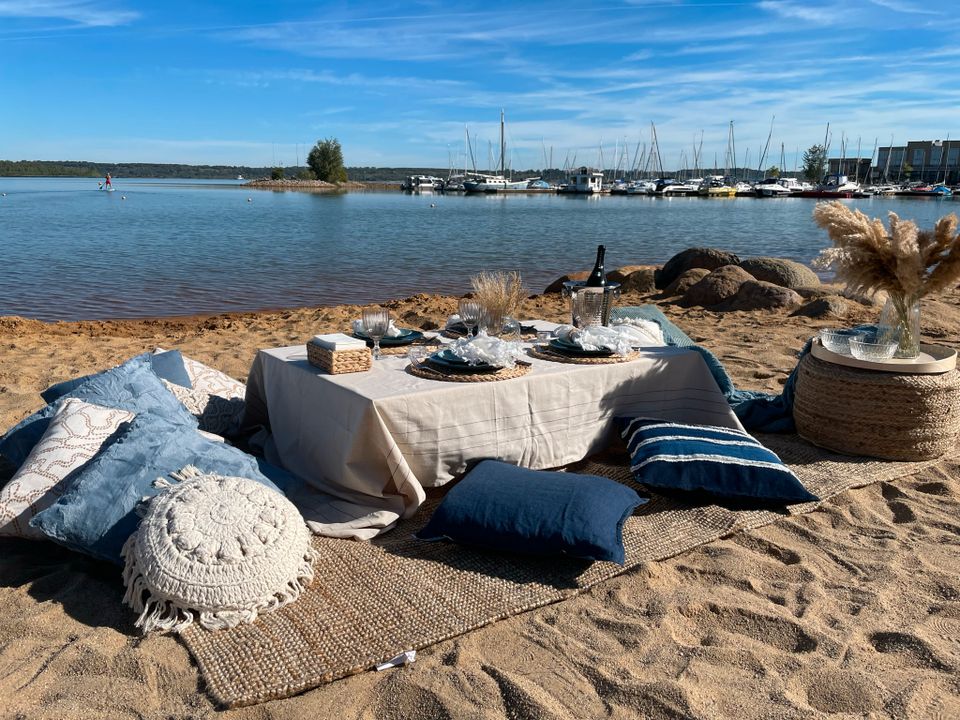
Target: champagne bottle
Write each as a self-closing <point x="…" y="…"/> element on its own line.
<point x="597" y="277"/>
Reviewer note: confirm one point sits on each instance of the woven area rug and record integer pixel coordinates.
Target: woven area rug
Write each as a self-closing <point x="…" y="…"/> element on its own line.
<point x="370" y="601"/>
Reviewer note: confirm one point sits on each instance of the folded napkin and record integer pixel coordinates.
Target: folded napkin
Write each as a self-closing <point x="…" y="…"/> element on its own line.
<point x="392" y="331"/>
<point x="338" y="341"/>
<point x="487" y="349"/>
<point x="621" y="338"/>
<point x="641" y="333"/>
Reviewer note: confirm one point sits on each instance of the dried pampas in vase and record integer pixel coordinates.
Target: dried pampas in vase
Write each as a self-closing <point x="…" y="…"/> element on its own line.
<point x="906" y="262"/>
<point x="500" y="294"/>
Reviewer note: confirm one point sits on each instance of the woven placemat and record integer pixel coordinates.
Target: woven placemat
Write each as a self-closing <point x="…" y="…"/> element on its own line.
<point x="543" y="352"/>
<point x="430" y="373"/>
<point x="370" y="601"/>
<point x="456" y="335"/>
<point x="402" y="349"/>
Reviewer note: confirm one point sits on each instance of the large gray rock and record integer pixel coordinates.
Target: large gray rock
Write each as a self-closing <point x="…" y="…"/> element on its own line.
<point x="831" y="306"/>
<point x="721" y="284"/>
<point x="760" y="295"/>
<point x="706" y="258"/>
<point x="785" y="273"/>
<point x="686" y="281"/>
<point x="634" y="278"/>
<point x="557" y="285"/>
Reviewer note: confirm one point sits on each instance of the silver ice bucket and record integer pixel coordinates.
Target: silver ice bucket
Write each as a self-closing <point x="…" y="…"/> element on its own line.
<point x="611" y="292"/>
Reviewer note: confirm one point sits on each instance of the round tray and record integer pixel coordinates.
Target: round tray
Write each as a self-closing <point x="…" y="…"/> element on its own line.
<point x="932" y="359"/>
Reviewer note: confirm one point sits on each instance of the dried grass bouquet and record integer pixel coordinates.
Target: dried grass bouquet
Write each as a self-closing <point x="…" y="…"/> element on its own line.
<point x="500" y="293"/>
<point x="905" y="261"/>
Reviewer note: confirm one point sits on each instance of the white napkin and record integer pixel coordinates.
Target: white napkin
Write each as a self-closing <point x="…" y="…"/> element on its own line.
<point x="453" y="320"/>
<point x="641" y="333"/>
<point x="392" y="330"/>
<point x="338" y="341"/>
<point x="487" y="349"/>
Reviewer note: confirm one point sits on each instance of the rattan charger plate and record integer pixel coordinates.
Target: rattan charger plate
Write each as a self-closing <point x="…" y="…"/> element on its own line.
<point x="543" y="352"/>
<point x="402" y="349"/>
<point x="425" y="371"/>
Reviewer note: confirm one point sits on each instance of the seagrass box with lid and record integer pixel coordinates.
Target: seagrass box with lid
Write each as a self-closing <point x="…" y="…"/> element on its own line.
<point x="337" y="353"/>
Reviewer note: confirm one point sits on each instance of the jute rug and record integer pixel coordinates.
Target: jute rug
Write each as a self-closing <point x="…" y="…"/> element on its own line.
<point x="370" y="601"/>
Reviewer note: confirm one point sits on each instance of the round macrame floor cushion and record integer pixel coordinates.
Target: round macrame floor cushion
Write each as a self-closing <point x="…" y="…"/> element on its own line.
<point x="217" y="551"/>
<point x="886" y="415"/>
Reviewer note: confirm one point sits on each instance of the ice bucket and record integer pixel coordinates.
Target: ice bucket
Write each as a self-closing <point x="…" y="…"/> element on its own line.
<point x="611" y="291"/>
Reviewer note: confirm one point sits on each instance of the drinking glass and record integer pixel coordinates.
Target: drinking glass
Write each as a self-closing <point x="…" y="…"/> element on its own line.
<point x="588" y="308"/>
<point x="491" y="322"/>
<point x="417" y="354"/>
<point x="376" y="322"/>
<point x="469" y="314"/>
<point x="512" y="330"/>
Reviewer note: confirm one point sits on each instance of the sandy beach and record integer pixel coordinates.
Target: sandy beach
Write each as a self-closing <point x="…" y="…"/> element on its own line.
<point x="852" y="611"/>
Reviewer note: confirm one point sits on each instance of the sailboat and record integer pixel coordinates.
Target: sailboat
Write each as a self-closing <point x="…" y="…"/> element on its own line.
<point x="495" y="183"/>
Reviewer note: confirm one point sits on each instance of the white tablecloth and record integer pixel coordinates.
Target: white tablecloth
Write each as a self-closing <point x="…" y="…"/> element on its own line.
<point x="371" y="442"/>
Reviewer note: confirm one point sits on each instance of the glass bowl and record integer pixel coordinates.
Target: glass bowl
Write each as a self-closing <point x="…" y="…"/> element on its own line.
<point x="838" y="340"/>
<point x="863" y="348"/>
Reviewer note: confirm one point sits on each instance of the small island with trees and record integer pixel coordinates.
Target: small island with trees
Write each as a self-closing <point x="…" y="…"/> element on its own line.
<point x="324" y="171"/>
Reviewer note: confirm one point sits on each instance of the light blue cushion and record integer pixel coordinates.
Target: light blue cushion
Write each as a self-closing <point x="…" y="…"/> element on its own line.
<point x="167" y="365"/>
<point x="132" y="386"/>
<point x="504" y="507"/>
<point x="96" y="512"/>
<point x="712" y="460"/>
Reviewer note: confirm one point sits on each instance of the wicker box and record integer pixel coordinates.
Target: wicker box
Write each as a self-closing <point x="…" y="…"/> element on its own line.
<point x="337" y="362"/>
<point x="886" y="415"/>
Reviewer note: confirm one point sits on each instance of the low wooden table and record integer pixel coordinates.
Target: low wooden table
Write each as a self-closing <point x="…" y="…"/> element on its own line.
<point x="894" y="416"/>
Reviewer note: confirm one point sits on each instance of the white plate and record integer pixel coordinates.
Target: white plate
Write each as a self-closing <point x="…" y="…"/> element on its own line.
<point x="932" y="359"/>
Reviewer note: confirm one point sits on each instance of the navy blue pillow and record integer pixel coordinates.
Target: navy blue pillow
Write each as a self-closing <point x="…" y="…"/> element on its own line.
<point x="96" y="512"/>
<point x="167" y="365"/>
<point x="713" y="460"/>
<point x="132" y="386"/>
<point x="503" y="507"/>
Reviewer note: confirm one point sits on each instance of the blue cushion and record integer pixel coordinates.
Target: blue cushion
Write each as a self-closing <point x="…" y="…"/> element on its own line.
<point x="167" y="365"/>
<point x="96" y="512"/>
<point x="504" y="507"/>
<point x="713" y="460"/>
<point x="132" y="386"/>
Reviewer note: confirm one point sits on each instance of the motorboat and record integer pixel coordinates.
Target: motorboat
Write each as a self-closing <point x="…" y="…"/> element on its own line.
<point x="834" y="186"/>
<point x="585" y="181"/>
<point x="926" y="191"/>
<point x="772" y="187"/>
<point x="421" y="183"/>
<point x="642" y="187"/>
<point x="715" y="186"/>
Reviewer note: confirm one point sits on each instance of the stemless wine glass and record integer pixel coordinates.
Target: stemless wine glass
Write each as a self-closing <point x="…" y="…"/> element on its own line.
<point x="376" y="322"/>
<point x="491" y="321"/>
<point x="469" y="314"/>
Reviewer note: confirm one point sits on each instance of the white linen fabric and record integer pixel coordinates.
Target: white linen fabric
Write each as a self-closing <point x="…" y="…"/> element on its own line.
<point x="215" y="550"/>
<point x="621" y="338"/>
<point x="211" y="381"/>
<point x="367" y="444"/>
<point x="77" y="432"/>
<point x="486" y="349"/>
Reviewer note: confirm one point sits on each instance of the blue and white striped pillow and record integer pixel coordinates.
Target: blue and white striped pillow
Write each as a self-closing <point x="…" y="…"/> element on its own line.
<point x="714" y="460"/>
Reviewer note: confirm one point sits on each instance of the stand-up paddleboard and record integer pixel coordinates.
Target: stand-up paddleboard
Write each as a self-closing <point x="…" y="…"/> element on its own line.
<point x="110" y="189"/>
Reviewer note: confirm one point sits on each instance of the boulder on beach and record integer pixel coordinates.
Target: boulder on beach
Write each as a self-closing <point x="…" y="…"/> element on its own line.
<point x="634" y="278"/>
<point x="782" y="272"/>
<point x="706" y="258"/>
<point x="557" y="285"/>
<point x="687" y="280"/>
<point x="719" y="285"/>
<point x="831" y="306"/>
<point x="761" y="295"/>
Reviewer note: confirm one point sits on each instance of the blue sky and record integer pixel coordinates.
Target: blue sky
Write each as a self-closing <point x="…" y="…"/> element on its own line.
<point x="247" y="82"/>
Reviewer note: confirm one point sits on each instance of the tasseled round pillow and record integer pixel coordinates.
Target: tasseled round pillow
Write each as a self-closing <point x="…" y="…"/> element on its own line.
<point x="217" y="551"/>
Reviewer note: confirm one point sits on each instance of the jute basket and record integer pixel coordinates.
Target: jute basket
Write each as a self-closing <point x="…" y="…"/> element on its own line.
<point x="340" y="361"/>
<point x="880" y="414"/>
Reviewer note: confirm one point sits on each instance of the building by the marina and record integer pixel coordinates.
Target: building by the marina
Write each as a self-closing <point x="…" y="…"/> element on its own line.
<point x="929" y="161"/>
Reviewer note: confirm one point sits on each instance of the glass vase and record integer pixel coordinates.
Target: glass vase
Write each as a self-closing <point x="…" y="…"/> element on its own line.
<point x="900" y="321"/>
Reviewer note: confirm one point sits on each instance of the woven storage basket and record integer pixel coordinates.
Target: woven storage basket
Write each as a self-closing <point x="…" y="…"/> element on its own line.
<point x="880" y="414"/>
<point x="339" y="361"/>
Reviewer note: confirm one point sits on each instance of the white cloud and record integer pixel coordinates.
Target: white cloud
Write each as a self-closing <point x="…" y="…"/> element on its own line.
<point x="81" y="12"/>
<point x="792" y="11"/>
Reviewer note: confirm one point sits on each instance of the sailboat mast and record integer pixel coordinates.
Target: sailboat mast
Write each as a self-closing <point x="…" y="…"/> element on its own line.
<point x="503" y="146"/>
<point x="886" y="165"/>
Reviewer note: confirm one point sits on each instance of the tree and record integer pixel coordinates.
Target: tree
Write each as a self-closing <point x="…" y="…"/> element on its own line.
<point x="326" y="161"/>
<point x="277" y="173"/>
<point x="814" y="163"/>
<point x="773" y="171"/>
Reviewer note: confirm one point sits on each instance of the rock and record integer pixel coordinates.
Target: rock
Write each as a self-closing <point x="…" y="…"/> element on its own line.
<point x="760" y="295"/>
<point x="719" y="285"/>
<point x="785" y="273"/>
<point x="557" y="285"/>
<point x="706" y="258"/>
<point x="686" y="281"/>
<point x="824" y="307"/>
<point x="814" y="293"/>
<point x="878" y="299"/>
<point x="635" y="278"/>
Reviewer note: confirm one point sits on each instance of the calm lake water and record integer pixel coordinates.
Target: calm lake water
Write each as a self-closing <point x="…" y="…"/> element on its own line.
<point x="186" y="247"/>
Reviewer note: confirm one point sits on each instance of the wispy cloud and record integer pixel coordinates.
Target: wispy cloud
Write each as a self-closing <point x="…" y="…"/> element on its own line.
<point x="902" y="6"/>
<point x="81" y="12"/>
<point x="806" y="12"/>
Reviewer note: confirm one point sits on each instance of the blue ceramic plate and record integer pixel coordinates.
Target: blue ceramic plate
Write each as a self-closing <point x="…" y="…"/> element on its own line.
<point x="446" y="360"/>
<point x="406" y="337"/>
<point x="567" y="347"/>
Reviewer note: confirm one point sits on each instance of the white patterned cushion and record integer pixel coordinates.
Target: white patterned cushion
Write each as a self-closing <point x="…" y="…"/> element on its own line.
<point x="215" y="414"/>
<point x="75" y="435"/>
<point x="205" y="378"/>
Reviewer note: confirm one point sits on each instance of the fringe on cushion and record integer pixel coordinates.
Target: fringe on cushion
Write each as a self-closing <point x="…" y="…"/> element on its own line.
<point x="160" y="613"/>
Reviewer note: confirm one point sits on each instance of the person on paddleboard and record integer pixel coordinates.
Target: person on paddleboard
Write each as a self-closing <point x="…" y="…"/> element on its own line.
<point x="108" y="181"/>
